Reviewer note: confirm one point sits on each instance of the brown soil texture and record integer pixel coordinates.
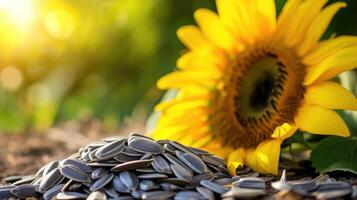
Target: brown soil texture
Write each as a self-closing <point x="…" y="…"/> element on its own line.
<point x="25" y="154"/>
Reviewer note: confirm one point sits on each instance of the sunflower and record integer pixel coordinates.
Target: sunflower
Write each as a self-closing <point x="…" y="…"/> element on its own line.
<point x="250" y="79"/>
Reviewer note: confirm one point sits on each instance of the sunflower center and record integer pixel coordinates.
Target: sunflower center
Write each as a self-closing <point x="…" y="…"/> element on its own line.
<point x="257" y="86"/>
<point x="264" y="91"/>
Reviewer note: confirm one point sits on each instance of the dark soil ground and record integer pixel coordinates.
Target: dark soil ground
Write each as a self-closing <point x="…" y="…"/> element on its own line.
<point x="25" y="154"/>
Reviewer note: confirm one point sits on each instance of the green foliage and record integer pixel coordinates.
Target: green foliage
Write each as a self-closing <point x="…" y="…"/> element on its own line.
<point x="335" y="153"/>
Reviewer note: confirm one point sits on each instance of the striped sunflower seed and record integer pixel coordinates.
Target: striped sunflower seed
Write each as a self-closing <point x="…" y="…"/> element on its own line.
<point x="250" y="183"/>
<point x="131" y="165"/>
<point x="97" y="195"/>
<point x="129" y="179"/>
<point x="159" y="195"/>
<point x="144" y="145"/>
<point x="49" y="180"/>
<point x="147" y="185"/>
<point x="213" y="186"/>
<point x="119" y="186"/>
<point x="111" y="149"/>
<point x="70" y="195"/>
<point x="102" y="182"/>
<point x="25" y="191"/>
<point x="193" y="162"/>
<point x="184" y="195"/>
<point x="161" y="165"/>
<point x="52" y="192"/>
<point x="73" y="172"/>
<point x="208" y="194"/>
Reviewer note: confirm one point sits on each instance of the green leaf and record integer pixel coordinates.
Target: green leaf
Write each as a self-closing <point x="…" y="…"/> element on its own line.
<point x="335" y="153"/>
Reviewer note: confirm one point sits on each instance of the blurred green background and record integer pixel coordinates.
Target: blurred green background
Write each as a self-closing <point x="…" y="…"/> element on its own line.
<point x="79" y="60"/>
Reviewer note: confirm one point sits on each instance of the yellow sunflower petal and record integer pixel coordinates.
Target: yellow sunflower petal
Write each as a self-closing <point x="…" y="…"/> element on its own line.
<point x="196" y="62"/>
<point x="295" y="30"/>
<point x="285" y="18"/>
<point x="330" y="95"/>
<point x="181" y="78"/>
<point x="284" y="131"/>
<point x="266" y="12"/>
<point x="319" y="26"/>
<point x="213" y="28"/>
<point x="327" y="48"/>
<point x="342" y="60"/>
<point x="319" y="120"/>
<point x="193" y="38"/>
<point x="267" y="155"/>
<point x="235" y="159"/>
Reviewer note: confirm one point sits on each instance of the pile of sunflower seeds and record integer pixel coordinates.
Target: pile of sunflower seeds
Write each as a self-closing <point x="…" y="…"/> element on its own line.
<point x="141" y="168"/>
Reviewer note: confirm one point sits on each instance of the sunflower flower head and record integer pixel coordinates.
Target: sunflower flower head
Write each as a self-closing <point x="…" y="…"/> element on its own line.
<point x="251" y="79"/>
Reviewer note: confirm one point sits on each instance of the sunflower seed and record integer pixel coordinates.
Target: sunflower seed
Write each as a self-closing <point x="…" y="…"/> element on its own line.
<point x="146" y="170"/>
<point x="335" y="194"/>
<point x="223" y="181"/>
<point x="144" y="145"/>
<point x="147" y="185"/>
<point x="119" y="186"/>
<point x="330" y="186"/>
<point x="25" y="180"/>
<point x="102" y="164"/>
<point x="136" y="194"/>
<point x="52" y="192"/>
<point x="78" y="163"/>
<point x="213" y="160"/>
<point x="131" y="165"/>
<point x="102" y="182"/>
<point x="124" y="198"/>
<point x="99" y="172"/>
<point x="5" y="192"/>
<point x="250" y="183"/>
<point x="130" y="180"/>
<point x="198" y="151"/>
<point x="181" y="172"/>
<point x="205" y="192"/>
<point x="125" y="158"/>
<point x="70" y="195"/>
<point x="73" y="172"/>
<point x="133" y="135"/>
<point x="244" y="193"/>
<point x="304" y="185"/>
<point x="171" y="187"/>
<point x="111" y="149"/>
<point x="152" y="176"/>
<point x="50" y="180"/>
<point x="193" y="162"/>
<point x="50" y="166"/>
<point x="180" y="147"/>
<point x="213" y="186"/>
<point x="110" y="192"/>
<point x="25" y="191"/>
<point x="158" y="195"/>
<point x="185" y="195"/>
<point x="161" y="165"/>
<point x="175" y="161"/>
<point x="97" y="195"/>
<point x="176" y="181"/>
<point x="169" y="148"/>
<point x="198" y="178"/>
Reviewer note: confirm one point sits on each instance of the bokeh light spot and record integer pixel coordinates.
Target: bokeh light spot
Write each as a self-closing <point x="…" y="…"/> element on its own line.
<point x="11" y="78"/>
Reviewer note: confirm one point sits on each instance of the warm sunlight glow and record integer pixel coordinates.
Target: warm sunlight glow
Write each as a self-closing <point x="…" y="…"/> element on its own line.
<point x="21" y="12"/>
<point x="59" y="24"/>
<point x="11" y="78"/>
